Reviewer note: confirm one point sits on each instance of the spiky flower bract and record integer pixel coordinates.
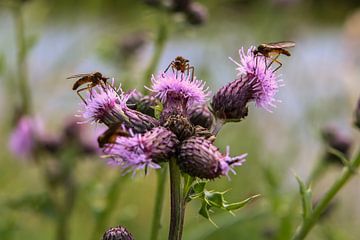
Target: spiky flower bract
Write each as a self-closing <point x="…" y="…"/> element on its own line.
<point x="117" y="233"/>
<point x="198" y="157"/>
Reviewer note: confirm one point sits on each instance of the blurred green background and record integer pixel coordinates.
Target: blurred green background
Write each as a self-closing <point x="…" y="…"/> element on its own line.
<point x="322" y="83"/>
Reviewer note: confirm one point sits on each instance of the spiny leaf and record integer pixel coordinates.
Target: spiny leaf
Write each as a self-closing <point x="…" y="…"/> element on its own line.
<point x="214" y="199"/>
<point x="238" y="205"/>
<point x="305" y="193"/>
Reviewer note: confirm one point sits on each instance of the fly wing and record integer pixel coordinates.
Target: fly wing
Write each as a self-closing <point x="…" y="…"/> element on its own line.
<point x="81" y="75"/>
<point x="282" y="44"/>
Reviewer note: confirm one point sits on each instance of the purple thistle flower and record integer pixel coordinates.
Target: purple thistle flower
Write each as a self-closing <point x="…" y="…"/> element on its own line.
<point x="105" y="104"/>
<point x="24" y="138"/>
<point x="263" y="81"/>
<point x="194" y="91"/>
<point x="143" y="150"/>
<point x="198" y="157"/>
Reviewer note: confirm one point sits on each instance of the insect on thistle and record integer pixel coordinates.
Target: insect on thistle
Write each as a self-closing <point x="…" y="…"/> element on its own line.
<point x="276" y="48"/>
<point x="92" y="80"/>
<point x="110" y="135"/>
<point x="181" y="64"/>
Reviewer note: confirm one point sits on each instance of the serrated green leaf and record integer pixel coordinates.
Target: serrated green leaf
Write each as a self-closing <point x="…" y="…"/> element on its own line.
<point x="199" y="187"/>
<point x="238" y="205"/>
<point x="204" y="211"/>
<point x="305" y="193"/>
<point x="158" y="110"/>
<point x="214" y="199"/>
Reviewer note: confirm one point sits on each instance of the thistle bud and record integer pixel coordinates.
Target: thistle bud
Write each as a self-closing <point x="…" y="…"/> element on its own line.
<point x="146" y="105"/>
<point x="198" y="157"/>
<point x="201" y="115"/>
<point x="357" y="115"/>
<point x="180" y="126"/>
<point x="196" y="14"/>
<point x="117" y="233"/>
<point x="229" y="103"/>
<point x="337" y="140"/>
<point x="138" y="121"/>
<point x="134" y="98"/>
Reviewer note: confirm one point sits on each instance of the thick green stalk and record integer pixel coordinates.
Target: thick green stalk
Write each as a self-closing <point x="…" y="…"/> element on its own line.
<point x="159" y="202"/>
<point x="310" y="222"/>
<point x="176" y="215"/>
<point x="21" y="59"/>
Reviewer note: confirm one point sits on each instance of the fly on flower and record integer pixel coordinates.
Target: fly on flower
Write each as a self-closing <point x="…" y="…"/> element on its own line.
<point x="110" y="135"/>
<point x="92" y="79"/>
<point x="275" y="48"/>
<point x="181" y="64"/>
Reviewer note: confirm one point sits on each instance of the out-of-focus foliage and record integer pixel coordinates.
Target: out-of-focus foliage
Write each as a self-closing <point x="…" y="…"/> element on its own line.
<point x="322" y="85"/>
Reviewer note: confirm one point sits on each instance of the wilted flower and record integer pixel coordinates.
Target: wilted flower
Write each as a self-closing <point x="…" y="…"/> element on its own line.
<point x="256" y="82"/>
<point x="25" y="136"/>
<point x="198" y="157"/>
<point x="143" y="150"/>
<point x="117" y="233"/>
<point x="106" y="105"/>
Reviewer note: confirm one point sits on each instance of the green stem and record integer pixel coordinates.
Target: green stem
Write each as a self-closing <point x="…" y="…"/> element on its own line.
<point x="176" y="215"/>
<point x="112" y="197"/>
<point x="162" y="36"/>
<point x="21" y="59"/>
<point x="159" y="202"/>
<point x="309" y="223"/>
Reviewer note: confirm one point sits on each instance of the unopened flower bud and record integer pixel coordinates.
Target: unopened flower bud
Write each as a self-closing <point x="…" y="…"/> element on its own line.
<point x="337" y="140"/>
<point x="229" y="103"/>
<point x="117" y="233"/>
<point x="146" y="105"/>
<point x="357" y="115"/>
<point x="201" y="115"/>
<point x="196" y="14"/>
<point x="180" y="126"/>
<point x="198" y="157"/>
<point x="134" y="98"/>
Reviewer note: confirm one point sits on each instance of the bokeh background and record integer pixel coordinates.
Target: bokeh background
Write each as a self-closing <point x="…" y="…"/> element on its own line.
<point x="118" y="38"/>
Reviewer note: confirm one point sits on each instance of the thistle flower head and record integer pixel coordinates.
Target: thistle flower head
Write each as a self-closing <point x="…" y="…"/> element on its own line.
<point x="198" y="157"/>
<point x="263" y="81"/>
<point x="100" y="103"/>
<point x="200" y="115"/>
<point x="107" y="105"/>
<point x="143" y="150"/>
<point x="24" y="138"/>
<point x="194" y="91"/>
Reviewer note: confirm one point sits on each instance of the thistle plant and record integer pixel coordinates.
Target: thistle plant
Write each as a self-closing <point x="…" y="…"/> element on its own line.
<point x="173" y="125"/>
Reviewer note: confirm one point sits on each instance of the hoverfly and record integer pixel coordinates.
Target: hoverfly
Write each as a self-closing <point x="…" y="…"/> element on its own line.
<point x="110" y="135"/>
<point x="277" y="48"/>
<point x="181" y="64"/>
<point x="92" y="79"/>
